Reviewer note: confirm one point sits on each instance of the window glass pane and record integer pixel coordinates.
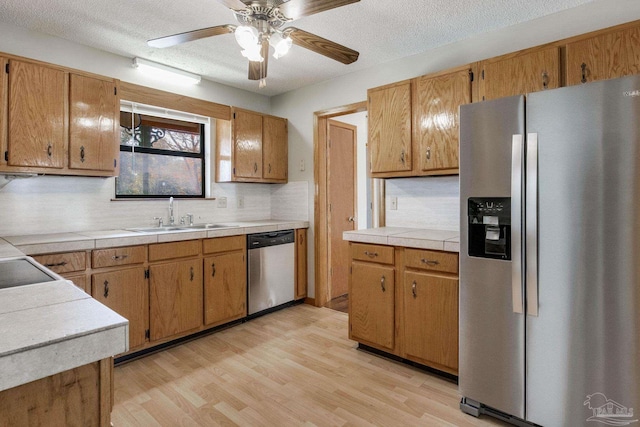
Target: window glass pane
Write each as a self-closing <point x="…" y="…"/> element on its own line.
<point x="159" y="175"/>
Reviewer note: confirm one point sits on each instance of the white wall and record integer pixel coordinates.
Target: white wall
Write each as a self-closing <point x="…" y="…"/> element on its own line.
<point x="299" y="105"/>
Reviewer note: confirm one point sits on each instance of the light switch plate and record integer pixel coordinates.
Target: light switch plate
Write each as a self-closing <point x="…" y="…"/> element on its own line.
<point x="222" y="202"/>
<point x="393" y="204"/>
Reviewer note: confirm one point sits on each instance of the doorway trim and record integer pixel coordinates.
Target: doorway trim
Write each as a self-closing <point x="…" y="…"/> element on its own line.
<point x="321" y="231"/>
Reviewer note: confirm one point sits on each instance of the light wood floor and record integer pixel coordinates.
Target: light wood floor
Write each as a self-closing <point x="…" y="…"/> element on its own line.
<point x="295" y="367"/>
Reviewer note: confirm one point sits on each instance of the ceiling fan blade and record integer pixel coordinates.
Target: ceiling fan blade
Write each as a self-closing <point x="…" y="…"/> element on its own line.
<point x="258" y="70"/>
<point x="233" y="4"/>
<point x="191" y="35"/>
<point x="322" y="46"/>
<point x="295" y="9"/>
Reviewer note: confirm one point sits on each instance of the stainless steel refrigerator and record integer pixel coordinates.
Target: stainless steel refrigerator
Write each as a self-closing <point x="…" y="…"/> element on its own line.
<point x="550" y="256"/>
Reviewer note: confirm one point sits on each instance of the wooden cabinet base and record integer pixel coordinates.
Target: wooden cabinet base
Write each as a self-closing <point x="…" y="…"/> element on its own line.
<point x="77" y="397"/>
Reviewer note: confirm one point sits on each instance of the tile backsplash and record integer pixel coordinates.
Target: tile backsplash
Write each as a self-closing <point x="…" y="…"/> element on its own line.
<point x="52" y="204"/>
<point x="425" y="202"/>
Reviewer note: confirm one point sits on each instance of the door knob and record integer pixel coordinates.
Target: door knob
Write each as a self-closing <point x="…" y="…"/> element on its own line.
<point x="351" y="219"/>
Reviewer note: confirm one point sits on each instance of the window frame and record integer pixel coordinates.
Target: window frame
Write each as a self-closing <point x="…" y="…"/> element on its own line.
<point x="132" y="108"/>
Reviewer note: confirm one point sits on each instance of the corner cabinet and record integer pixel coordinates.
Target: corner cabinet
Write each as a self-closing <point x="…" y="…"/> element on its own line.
<point x="56" y="121"/>
<point x="251" y="147"/>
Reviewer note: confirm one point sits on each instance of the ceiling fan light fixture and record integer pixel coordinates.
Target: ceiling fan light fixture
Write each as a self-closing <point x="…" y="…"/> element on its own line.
<point x="253" y="53"/>
<point x="164" y="72"/>
<point x="281" y="45"/>
<point x="246" y="36"/>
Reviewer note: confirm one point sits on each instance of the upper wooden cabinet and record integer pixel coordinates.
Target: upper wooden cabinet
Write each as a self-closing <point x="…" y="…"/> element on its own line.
<point x="37" y="112"/>
<point x="251" y="147"/>
<point x="389" y="110"/>
<point x="57" y="121"/>
<point x="413" y="125"/>
<point x="604" y="56"/>
<point x="526" y="71"/>
<point x="93" y="133"/>
<point x="436" y="106"/>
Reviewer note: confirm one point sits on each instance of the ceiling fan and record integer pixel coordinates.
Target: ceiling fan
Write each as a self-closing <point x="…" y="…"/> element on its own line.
<point x="260" y="25"/>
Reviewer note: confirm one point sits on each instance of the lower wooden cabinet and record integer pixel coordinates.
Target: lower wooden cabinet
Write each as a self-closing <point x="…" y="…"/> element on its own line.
<point x="127" y="293"/>
<point x="405" y="302"/>
<point x="225" y="287"/>
<point x="175" y="301"/>
<point x="301" y="264"/>
<point x="431" y="320"/>
<point x="371" y="304"/>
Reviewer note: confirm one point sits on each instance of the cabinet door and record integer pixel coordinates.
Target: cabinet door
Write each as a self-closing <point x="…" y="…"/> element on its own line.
<point x="127" y="293"/>
<point x="275" y="149"/>
<point x="301" y="263"/>
<point x="605" y="56"/>
<point x="175" y="302"/>
<point x="371" y="304"/>
<point x="524" y="72"/>
<point x="93" y="143"/>
<point x="37" y="120"/>
<point x="431" y="319"/>
<point x="390" y="128"/>
<point x="247" y="129"/>
<point x="225" y="288"/>
<point x="437" y="121"/>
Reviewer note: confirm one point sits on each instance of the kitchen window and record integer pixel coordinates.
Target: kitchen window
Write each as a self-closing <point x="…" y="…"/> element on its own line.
<point x="161" y="154"/>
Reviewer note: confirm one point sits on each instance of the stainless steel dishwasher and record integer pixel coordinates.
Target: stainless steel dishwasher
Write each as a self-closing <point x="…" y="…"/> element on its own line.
<point x="271" y="270"/>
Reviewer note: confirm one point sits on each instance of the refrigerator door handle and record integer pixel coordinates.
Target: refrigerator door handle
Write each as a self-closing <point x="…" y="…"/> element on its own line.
<point x="531" y="220"/>
<point x="516" y="224"/>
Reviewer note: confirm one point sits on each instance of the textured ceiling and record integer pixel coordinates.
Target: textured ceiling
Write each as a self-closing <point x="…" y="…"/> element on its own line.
<point x="381" y="30"/>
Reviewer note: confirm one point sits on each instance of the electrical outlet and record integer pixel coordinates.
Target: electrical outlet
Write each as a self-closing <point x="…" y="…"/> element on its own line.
<point x="302" y="165"/>
<point x="222" y="202"/>
<point x="240" y="202"/>
<point x="394" y="204"/>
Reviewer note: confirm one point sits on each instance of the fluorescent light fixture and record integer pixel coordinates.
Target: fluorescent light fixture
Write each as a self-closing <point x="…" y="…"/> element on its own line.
<point x="165" y="72"/>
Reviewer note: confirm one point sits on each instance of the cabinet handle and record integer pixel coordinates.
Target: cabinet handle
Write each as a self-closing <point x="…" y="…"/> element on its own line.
<point x="371" y="254"/>
<point x="583" y="67"/>
<point x="301" y="239"/>
<point x="382" y="280"/>
<point x="60" y="264"/>
<point x="49" y="150"/>
<point x="192" y="274"/>
<point x="428" y="153"/>
<point x="545" y="80"/>
<point x="413" y="289"/>
<point x="255" y="167"/>
<point x="213" y="269"/>
<point x="106" y="288"/>
<point x="429" y="261"/>
<point x="402" y="159"/>
<point x="269" y="167"/>
<point x="82" y="154"/>
<point x="119" y="257"/>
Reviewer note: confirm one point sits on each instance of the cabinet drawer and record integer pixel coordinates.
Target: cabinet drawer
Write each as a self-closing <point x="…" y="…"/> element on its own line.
<point x="445" y="262"/>
<point x="162" y="251"/>
<point x="64" y="263"/>
<point x="224" y="244"/>
<point x="372" y="253"/>
<point x="118" y="256"/>
<point x="80" y="281"/>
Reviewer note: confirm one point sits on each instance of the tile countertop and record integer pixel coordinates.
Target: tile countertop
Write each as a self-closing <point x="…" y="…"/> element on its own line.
<point x="51" y="327"/>
<point x="83" y="240"/>
<point x="419" y="238"/>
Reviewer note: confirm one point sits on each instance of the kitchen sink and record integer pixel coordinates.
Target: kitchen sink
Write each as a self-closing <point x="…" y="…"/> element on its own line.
<point x="169" y="228"/>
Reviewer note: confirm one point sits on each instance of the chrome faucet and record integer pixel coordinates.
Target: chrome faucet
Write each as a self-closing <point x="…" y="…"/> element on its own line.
<point x="172" y="220"/>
